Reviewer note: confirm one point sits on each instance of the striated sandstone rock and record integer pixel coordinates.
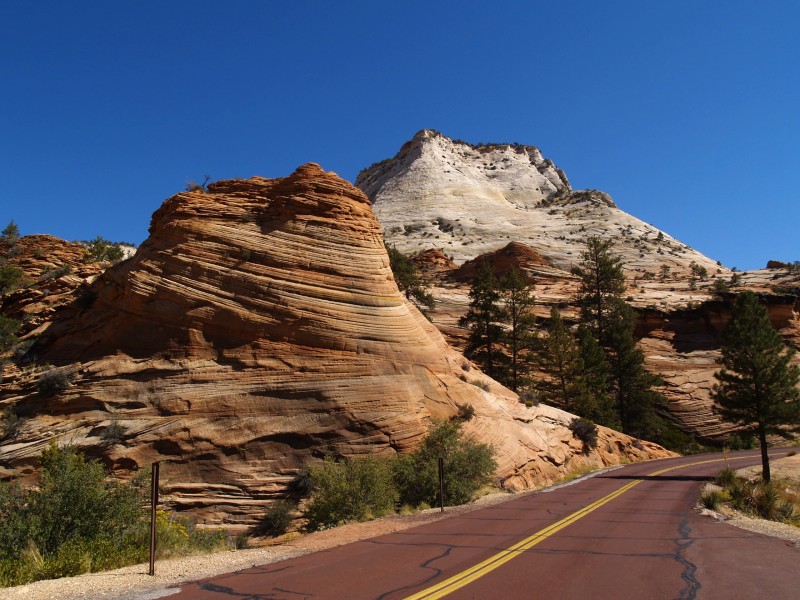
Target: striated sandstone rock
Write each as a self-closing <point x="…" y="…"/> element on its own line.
<point x="257" y="328"/>
<point x="433" y="262"/>
<point x="55" y="275"/>
<point x="479" y="202"/>
<point x="515" y="255"/>
<point x="470" y="199"/>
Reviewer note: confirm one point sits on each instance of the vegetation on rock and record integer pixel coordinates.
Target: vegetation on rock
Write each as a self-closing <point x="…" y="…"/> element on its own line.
<point x="485" y="319"/>
<point x="101" y="250"/>
<point x="408" y="279"/>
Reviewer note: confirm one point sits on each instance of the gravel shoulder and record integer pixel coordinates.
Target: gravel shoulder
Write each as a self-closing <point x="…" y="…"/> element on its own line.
<point x="785" y="468"/>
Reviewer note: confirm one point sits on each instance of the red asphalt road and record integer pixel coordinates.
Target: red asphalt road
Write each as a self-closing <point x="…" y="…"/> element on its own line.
<point x="648" y="542"/>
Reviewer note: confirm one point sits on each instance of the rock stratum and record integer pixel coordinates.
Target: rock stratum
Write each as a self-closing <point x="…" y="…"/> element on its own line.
<point x="456" y="205"/>
<point x="258" y="328"/>
<point x="470" y="199"/>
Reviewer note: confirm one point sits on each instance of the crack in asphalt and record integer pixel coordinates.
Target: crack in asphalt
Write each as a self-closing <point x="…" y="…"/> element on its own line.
<point x="221" y="589"/>
<point x="689" y="592"/>
<point x="424" y="565"/>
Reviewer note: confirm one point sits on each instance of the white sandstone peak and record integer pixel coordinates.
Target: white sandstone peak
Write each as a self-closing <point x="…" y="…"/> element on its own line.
<point x="469" y="199"/>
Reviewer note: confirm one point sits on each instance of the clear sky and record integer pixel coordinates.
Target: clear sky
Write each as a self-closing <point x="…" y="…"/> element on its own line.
<point x="687" y="112"/>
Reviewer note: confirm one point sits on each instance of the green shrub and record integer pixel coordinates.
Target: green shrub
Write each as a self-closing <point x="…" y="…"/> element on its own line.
<point x="465" y="412"/>
<point x="114" y="433"/>
<point x="101" y="250"/>
<point x="741" y="440"/>
<point x="468" y="465"/>
<point x="711" y="500"/>
<point x="349" y="490"/>
<point x="11" y="232"/>
<point x="301" y="485"/>
<point x="53" y="381"/>
<point x="56" y="273"/>
<point x="276" y="519"/>
<point x="9" y="422"/>
<point x="529" y="398"/>
<point x="78" y="521"/>
<point x="11" y="278"/>
<point x="725" y="478"/>
<point x="586" y="431"/>
<point x="8" y="333"/>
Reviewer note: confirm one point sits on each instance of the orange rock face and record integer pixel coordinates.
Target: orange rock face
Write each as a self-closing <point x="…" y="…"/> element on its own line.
<point x="55" y="271"/>
<point x="515" y="255"/>
<point x="259" y="327"/>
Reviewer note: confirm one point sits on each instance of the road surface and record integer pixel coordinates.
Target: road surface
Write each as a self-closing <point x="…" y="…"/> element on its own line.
<point x="626" y="533"/>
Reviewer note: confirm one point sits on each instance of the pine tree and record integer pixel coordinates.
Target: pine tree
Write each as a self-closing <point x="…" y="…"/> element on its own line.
<point x="518" y="300"/>
<point x="408" y="279"/>
<point x="631" y="383"/>
<point x="758" y="387"/>
<point x="559" y="359"/>
<point x="484" y="320"/>
<point x="597" y="403"/>
<point x="601" y="279"/>
<point x="11" y="233"/>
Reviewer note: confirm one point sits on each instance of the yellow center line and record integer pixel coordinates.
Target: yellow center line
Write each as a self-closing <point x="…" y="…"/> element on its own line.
<point x="467" y="576"/>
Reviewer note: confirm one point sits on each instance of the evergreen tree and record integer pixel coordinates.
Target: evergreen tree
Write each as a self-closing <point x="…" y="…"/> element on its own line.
<point x="484" y="320"/>
<point x="559" y="358"/>
<point x="631" y="384"/>
<point x="758" y="388"/>
<point x="11" y="277"/>
<point x="11" y="233"/>
<point x="408" y="279"/>
<point x="519" y="301"/>
<point x="597" y="402"/>
<point x="601" y="280"/>
<point x="8" y="333"/>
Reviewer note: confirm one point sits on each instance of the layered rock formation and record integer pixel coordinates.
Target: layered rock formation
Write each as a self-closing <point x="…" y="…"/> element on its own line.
<point x="507" y="206"/>
<point x="472" y="199"/>
<point x="54" y="272"/>
<point x="258" y="328"/>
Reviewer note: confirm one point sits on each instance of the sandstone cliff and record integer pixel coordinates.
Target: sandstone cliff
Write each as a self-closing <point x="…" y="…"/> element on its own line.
<point x="54" y="273"/>
<point x="506" y="205"/>
<point x="470" y="199"/>
<point x="679" y="325"/>
<point x="258" y="328"/>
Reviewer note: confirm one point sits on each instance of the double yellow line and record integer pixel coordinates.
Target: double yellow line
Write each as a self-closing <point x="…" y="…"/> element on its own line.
<point x="467" y="576"/>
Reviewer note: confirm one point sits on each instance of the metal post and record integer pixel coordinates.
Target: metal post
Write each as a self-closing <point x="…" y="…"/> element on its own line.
<point x="153" y="505"/>
<point x="441" y="482"/>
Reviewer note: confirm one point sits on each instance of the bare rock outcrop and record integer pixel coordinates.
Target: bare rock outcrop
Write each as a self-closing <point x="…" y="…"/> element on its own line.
<point x="56" y="273"/>
<point x="515" y="255"/>
<point x="257" y="328"/>
<point x="471" y="199"/>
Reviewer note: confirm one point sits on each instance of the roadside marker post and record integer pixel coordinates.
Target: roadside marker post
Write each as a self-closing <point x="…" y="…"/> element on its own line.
<point x="441" y="482"/>
<point x="153" y="505"/>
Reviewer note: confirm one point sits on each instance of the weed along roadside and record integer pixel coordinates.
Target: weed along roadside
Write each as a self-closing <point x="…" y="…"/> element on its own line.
<point x="80" y="521"/>
<point x="743" y="496"/>
<point x="448" y="468"/>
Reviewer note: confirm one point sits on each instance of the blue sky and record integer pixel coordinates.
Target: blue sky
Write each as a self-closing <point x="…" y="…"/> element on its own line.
<point x="686" y="112"/>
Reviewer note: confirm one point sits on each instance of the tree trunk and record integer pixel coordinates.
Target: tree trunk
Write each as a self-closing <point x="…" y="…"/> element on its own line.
<point x="762" y="441"/>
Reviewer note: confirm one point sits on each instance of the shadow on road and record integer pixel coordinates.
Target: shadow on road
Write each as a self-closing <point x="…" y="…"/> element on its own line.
<point x="660" y="477"/>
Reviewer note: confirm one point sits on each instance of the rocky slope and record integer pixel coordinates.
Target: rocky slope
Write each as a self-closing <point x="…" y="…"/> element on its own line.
<point x="506" y="205"/>
<point x="54" y="273"/>
<point x="258" y="328"/>
<point x="470" y="199"/>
